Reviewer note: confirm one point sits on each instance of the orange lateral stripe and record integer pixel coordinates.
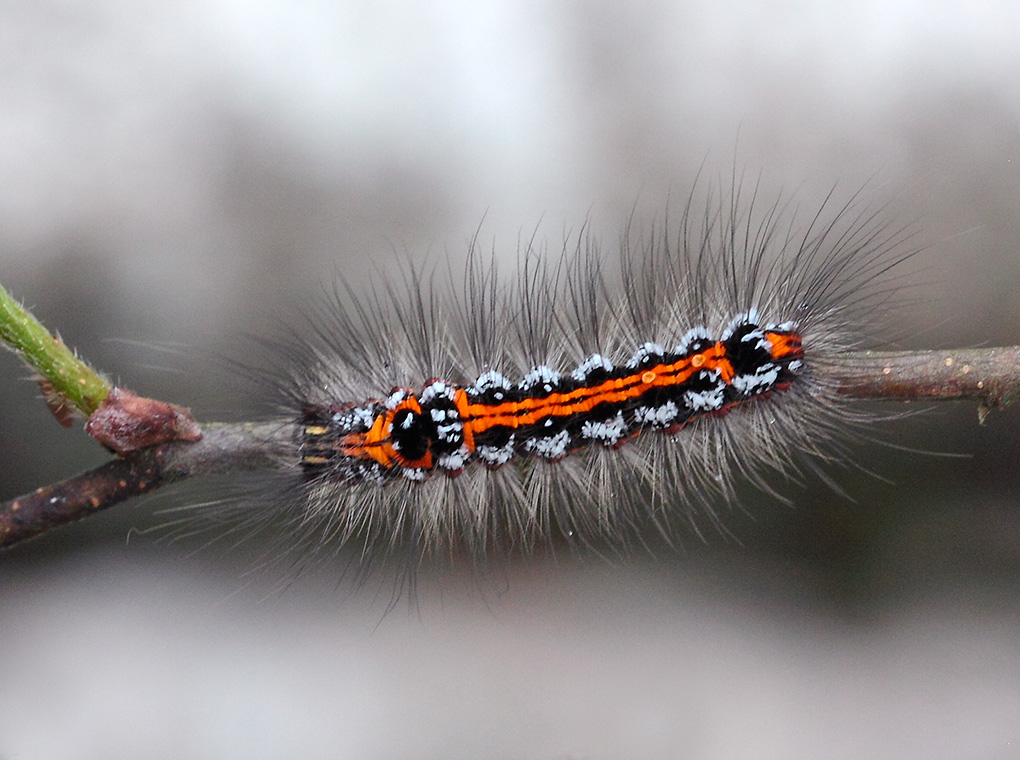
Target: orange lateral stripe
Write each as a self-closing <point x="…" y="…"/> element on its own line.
<point x="376" y="443"/>
<point x="785" y="344"/>
<point x="481" y="417"/>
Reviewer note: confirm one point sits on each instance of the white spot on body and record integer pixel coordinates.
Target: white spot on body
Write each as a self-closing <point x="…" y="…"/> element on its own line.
<point x="454" y="461"/>
<point x="450" y="433"/>
<point x="762" y="343"/>
<point x="705" y="401"/>
<point x="657" y="417"/>
<point x="414" y="474"/>
<point x="762" y="380"/>
<point x="542" y="375"/>
<point x="608" y="432"/>
<point x="360" y="418"/>
<point x="750" y="317"/>
<point x="593" y="362"/>
<point x="554" y="447"/>
<point x="690" y="338"/>
<point x="395" y="398"/>
<point x="643" y="352"/>
<point x="496" y="456"/>
<point x="437" y="389"/>
<point x="488" y="381"/>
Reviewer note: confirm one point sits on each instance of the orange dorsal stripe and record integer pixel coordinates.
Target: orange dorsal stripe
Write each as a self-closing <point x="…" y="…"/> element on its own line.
<point x="477" y="418"/>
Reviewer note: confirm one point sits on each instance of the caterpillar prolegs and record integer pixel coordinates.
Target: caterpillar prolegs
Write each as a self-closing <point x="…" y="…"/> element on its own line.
<point x="591" y="393"/>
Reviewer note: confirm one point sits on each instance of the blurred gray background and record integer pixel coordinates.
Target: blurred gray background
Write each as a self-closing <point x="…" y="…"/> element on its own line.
<point x="174" y="176"/>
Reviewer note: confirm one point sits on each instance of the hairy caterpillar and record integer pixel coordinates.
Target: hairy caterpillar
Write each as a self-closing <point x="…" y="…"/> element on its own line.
<point x="580" y="400"/>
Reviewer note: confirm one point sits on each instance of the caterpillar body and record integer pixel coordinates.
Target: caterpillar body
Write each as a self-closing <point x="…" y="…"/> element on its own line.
<point x="580" y="401"/>
<point x="546" y="415"/>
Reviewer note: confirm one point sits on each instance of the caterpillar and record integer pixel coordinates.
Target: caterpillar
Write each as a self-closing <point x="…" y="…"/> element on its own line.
<point x="546" y="415"/>
<point x="582" y="400"/>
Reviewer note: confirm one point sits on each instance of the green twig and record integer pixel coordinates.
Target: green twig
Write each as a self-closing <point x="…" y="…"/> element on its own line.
<point x="66" y="378"/>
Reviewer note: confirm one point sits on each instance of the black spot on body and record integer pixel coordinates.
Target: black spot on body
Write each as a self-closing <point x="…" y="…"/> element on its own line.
<point x="412" y="434"/>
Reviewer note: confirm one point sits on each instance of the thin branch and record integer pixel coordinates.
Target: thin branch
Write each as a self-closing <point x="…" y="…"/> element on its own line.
<point x="991" y="376"/>
<point x="242" y="447"/>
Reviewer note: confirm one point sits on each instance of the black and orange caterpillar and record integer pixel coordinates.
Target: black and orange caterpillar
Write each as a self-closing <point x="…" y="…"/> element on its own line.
<point x="548" y="415"/>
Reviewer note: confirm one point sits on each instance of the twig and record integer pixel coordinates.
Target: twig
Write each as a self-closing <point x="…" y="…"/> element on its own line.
<point x="991" y="376"/>
<point x="223" y="448"/>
